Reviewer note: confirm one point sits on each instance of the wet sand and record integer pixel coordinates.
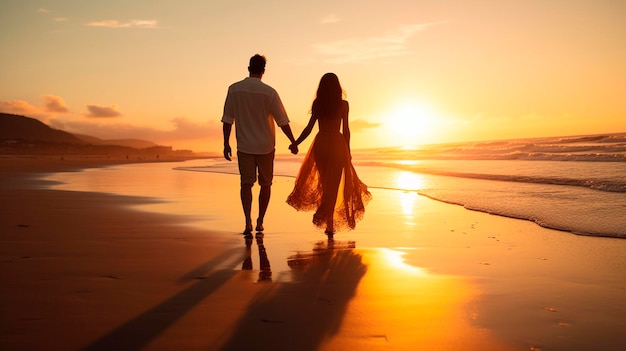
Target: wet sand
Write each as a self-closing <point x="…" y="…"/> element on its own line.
<point x="96" y="271"/>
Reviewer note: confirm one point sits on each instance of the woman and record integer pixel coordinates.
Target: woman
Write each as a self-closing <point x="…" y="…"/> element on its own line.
<point x="327" y="181"/>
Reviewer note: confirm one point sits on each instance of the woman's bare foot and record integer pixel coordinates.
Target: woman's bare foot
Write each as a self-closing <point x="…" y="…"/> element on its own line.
<point x="330" y="234"/>
<point x="330" y="229"/>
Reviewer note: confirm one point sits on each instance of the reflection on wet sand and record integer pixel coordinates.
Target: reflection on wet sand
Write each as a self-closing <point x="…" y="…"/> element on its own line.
<point x="402" y="307"/>
<point x="311" y="306"/>
<point x="265" y="269"/>
<point x="321" y="248"/>
<point x="340" y="298"/>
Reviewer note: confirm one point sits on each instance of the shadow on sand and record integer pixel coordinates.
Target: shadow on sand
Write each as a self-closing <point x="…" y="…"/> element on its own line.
<point x="138" y="332"/>
<point x="301" y="314"/>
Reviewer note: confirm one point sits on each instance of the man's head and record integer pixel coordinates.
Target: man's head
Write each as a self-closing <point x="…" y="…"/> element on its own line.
<point x="257" y="65"/>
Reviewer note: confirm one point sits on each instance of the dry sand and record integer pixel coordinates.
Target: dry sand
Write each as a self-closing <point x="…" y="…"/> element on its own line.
<point x="90" y="271"/>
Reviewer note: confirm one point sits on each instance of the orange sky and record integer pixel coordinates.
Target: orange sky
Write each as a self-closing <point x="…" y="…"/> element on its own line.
<point x="414" y="71"/>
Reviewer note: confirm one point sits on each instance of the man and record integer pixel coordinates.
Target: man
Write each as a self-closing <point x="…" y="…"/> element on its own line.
<point x="253" y="107"/>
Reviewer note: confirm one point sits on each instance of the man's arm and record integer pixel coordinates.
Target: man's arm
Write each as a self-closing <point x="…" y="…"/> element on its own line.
<point x="287" y="130"/>
<point x="226" y="129"/>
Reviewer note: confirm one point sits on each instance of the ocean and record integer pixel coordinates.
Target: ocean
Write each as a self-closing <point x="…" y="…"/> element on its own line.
<point x="575" y="184"/>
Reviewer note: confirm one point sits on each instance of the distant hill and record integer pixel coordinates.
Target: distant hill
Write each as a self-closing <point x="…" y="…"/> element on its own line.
<point x="136" y="143"/>
<point x="25" y="128"/>
<point x="25" y="135"/>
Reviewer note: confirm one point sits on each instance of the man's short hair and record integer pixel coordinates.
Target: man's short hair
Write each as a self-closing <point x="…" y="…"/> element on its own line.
<point x="257" y="64"/>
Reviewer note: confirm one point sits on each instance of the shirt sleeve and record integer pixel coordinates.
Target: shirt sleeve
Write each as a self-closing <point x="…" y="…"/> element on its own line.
<point x="229" y="112"/>
<point x="278" y="111"/>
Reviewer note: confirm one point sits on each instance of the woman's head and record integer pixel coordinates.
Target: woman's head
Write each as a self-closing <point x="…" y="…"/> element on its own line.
<point x="329" y="95"/>
<point x="330" y="87"/>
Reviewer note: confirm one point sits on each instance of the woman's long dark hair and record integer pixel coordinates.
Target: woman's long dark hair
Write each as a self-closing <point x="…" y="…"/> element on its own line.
<point x="329" y="97"/>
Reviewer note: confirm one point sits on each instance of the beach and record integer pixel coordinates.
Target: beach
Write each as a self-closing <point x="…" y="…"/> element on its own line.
<point x="165" y="267"/>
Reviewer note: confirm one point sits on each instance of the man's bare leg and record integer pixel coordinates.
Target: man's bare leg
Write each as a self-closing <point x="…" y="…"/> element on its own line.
<point x="246" y="203"/>
<point x="264" y="200"/>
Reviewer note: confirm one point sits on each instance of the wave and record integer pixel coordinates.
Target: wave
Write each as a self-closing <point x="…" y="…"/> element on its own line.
<point x="608" y="185"/>
<point x="610" y="138"/>
<point x="546" y="223"/>
<point x="525" y="152"/>
<point x="594" y="148"/>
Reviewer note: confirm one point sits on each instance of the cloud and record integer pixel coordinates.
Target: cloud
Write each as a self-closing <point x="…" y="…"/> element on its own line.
<point x="145" y="24"/>
<point x="332" y="18"/>
<point x="19" y="107"/>
<point x="102" y="111"/>
<point x="391" y="43"/>
<point x="54" y="104"/>
<point x="51" y="106"/>
<point x="47" y="12"/>
<point x="358" y="125"/>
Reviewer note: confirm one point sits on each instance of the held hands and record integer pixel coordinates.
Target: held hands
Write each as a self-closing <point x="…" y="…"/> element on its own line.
<point x="294" y="148"/>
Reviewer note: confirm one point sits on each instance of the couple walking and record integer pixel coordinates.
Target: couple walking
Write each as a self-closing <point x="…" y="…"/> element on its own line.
<point x="326" y="183"/>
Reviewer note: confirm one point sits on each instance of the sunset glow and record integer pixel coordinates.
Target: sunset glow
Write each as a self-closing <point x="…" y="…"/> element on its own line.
<point x="412" y="124"/>
<point x="463" y="187"/>
<point x="414" y="72"/>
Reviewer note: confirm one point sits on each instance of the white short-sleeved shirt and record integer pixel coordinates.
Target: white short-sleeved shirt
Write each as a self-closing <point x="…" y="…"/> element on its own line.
<point x="253" y="106"/>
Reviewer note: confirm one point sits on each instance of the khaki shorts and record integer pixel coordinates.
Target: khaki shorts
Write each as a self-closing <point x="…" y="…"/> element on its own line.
<point x="249" y="164"/>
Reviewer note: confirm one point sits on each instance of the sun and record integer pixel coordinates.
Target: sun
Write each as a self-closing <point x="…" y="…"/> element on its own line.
<point x="410" y="124"/>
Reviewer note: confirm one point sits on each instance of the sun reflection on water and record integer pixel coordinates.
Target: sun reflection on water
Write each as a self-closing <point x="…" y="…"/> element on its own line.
<point x="408" y="162"/>
<point x="403" y="307"/>
<point x="410" y="182"/>
<point x="407" y="180"/>
<point x="395" y="260"/>
<point x="407" y="201"/>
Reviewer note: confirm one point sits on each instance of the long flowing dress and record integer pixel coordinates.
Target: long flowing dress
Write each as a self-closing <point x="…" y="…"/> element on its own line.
<point x="327" y="181"/>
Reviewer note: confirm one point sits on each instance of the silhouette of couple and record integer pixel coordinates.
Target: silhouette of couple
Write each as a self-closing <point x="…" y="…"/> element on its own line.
<point x="326" y="183"/>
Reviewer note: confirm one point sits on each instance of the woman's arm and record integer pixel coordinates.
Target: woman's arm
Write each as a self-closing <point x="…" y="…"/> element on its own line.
<point x="346" y="125"/>
<point x="307" y="130"/>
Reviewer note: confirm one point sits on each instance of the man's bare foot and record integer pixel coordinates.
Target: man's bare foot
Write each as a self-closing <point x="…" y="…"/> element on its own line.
<point x="248" y="229"/>
<point x="259" y="226"/>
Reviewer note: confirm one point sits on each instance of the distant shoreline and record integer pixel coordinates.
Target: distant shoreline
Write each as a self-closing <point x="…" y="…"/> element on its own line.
<point x="63" y="163"/>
